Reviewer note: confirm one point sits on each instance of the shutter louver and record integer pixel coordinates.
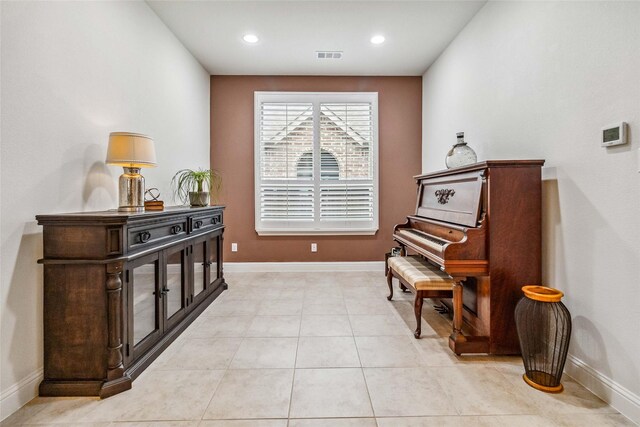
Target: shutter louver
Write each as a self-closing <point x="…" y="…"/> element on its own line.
<point x="346" y="201"/>
<point x="287" y="201"/>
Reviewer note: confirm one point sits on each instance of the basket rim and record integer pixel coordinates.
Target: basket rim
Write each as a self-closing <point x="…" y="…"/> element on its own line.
<point x="542" y="293"/>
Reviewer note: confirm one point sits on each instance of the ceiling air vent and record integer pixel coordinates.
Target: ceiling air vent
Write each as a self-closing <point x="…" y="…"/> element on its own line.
<point x="323" y="54"/>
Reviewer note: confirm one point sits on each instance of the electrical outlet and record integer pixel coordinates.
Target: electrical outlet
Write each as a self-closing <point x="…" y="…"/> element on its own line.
<point x="314" y="247"/>
<point x="234" y="247"/>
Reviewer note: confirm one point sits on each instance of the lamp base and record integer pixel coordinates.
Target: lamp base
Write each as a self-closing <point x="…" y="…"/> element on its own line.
<point x="131" y="209"/>
<point x="131" y="191"/>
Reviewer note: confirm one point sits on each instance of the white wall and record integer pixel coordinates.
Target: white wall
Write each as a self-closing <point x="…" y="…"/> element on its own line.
<point x="539" y="80"/>
<point x="72" y="72"/>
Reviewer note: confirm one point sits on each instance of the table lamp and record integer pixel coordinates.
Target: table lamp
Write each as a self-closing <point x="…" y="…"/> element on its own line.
<point x="132" y="151"/>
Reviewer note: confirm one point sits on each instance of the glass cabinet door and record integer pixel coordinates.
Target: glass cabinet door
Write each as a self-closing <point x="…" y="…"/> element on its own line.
<point x="214" y="267"/>
<point x="174" y="293"/>
<point x="199" y="269"/>
<point x="142" y="288"/>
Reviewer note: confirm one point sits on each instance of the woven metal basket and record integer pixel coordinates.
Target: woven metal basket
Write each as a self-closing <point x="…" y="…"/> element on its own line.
<point x="544" y="330"/>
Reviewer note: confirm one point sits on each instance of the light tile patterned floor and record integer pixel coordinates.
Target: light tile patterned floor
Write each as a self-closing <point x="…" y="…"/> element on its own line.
<point x="322" y="349"/>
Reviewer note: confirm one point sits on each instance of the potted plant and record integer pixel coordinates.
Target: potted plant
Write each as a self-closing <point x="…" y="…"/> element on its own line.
<point x="196" y="186"/>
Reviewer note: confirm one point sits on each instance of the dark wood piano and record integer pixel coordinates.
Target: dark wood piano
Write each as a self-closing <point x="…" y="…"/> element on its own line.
<point x="481" y="224"/>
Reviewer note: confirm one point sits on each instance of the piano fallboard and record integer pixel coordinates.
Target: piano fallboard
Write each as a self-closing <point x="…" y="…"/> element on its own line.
<point x="457" y="249"/>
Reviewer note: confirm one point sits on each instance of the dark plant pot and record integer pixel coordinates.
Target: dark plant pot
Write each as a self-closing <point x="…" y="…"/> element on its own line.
<point x="199" y="198"/>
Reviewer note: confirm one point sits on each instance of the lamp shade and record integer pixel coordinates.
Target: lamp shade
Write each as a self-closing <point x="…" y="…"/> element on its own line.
<point x="131" y="150"/>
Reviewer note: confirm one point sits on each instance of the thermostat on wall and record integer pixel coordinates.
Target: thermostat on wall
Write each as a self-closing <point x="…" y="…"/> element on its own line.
<point x="614" y="135"/>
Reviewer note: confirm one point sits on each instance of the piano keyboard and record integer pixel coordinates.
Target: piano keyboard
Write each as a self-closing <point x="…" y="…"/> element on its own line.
<point x="424" y="238"/>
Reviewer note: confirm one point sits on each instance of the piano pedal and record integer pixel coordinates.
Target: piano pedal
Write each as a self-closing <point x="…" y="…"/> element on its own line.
<point x="441" y="308"/>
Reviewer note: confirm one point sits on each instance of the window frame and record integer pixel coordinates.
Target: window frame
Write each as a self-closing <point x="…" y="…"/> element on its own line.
<point x="317" y="226"/>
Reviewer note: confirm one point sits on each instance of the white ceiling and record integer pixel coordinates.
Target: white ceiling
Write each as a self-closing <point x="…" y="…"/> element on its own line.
<point x="291" y="31"/>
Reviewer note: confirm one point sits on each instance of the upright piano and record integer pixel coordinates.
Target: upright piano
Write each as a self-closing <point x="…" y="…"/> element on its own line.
<point x="481" y="224"/>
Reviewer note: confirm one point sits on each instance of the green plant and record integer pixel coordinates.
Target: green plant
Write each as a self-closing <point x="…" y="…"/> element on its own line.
<point x="188" y="180"/>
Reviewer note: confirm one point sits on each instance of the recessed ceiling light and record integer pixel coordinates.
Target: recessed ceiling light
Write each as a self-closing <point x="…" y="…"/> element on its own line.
<point x="250" y="38"/>
<point x="377" y="39"/>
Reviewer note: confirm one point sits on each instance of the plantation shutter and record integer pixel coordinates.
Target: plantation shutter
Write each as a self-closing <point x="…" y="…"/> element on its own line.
<point x="286" y="134"/>
<point x="316" y="163"/>
<point x="346" y="130"/>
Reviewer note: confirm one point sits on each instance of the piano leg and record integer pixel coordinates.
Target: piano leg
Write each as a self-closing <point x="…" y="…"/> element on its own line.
<point x="457" y="337"/>
<point x="417" y="308"/>
<point x="390" y="283"/>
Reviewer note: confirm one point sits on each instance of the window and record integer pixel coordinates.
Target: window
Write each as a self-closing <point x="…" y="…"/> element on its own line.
<point x="316" y="163"/>
<point x="329" y="165"/>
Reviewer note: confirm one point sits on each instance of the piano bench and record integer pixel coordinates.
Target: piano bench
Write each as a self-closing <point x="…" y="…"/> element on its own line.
<point x="424" y="280"/>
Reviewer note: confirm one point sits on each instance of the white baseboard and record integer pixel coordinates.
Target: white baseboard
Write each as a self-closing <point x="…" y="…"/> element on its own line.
<point x="286" y="267"/>
<point x="19" y="394"/>
<point x="620" y="398"/>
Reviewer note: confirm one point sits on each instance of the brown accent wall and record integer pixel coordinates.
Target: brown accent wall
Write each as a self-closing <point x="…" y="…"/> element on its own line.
<point x="400" y="154"/>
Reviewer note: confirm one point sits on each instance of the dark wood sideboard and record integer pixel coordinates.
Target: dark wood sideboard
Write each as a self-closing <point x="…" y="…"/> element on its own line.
<point x="119" y="288"/>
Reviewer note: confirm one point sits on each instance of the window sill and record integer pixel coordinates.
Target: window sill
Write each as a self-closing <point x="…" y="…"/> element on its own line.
<point x="337" y="232"/>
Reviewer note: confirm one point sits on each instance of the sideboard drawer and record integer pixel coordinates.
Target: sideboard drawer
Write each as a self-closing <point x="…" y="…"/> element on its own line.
<point x="206" y="222"/>
<point x="146" y="235"/>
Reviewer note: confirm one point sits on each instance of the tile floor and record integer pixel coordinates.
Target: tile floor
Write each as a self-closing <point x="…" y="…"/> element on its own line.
<point x="322" y="349"/>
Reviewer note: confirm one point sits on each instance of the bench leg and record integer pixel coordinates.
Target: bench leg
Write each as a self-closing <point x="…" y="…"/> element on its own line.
<point x="389" y="282"/>
<point x="417" y="308"/>
<point x="403" y="288"/>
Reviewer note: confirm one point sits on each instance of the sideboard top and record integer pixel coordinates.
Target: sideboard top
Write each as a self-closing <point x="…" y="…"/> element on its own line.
<point x="115" y="216"/>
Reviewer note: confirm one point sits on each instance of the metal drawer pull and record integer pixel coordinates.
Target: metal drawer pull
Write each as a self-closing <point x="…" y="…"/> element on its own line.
<point x="144" y="236"/>
<point x="215" y="220"/>
<point x="176" y="229"/>
<point x="197" y="224"/>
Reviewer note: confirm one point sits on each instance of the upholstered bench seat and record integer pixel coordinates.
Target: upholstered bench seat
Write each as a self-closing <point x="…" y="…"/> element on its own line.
<point x="420" y="274"/>
<point x="424" y="279"/>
